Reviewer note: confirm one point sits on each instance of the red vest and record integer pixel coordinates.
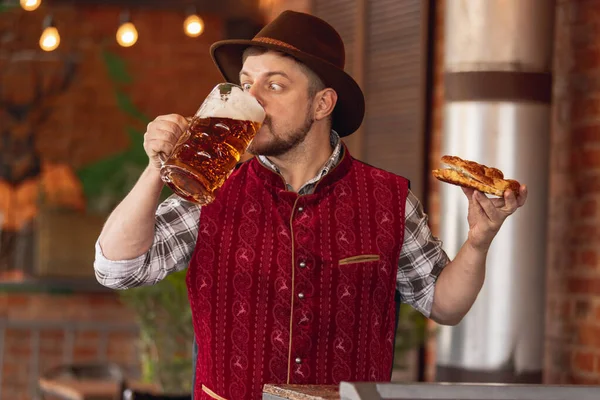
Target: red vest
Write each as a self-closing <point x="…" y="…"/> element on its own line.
<point x="296" y="289"/>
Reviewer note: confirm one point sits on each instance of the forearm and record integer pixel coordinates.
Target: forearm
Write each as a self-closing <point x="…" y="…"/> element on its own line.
<point x="458" y="285"/>
<point x="129" y="230"/>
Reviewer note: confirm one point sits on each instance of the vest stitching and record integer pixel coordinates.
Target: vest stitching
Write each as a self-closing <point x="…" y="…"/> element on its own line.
<point x="293" y="287"/>
<point x="212" y="394"/>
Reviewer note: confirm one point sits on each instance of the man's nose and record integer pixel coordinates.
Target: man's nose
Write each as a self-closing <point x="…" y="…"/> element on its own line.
<point x="255" y="92"/>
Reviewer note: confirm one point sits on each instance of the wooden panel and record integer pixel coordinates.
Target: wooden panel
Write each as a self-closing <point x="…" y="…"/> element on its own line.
<point x="395" y="88"/>
<point x="394" y="80"/>
<point x="66" y="243"/>
<point x="341" y="14"/>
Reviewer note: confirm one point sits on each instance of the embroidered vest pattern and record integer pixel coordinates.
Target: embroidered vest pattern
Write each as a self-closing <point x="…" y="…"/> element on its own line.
<point x="296" y="289"/>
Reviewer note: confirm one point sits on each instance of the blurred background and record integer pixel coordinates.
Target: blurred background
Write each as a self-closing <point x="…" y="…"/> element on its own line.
<point x="509" y="83"/>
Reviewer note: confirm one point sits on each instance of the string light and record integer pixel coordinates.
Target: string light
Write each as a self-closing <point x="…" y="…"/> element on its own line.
<point x="30" y="5"/>
<point x="193" y="25"/>
<point x="127" y="35"/>
<point x="50" y="38"/>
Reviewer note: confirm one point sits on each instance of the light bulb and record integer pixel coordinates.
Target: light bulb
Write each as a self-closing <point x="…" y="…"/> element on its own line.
<point x="127" y="35"/>
<point x="193" y="26"/>
<point x="30" y="5"/>
<point x="50" y="39"/>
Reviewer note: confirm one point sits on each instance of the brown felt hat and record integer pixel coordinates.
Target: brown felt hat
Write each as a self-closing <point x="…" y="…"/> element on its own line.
<point x="311" y="41"/>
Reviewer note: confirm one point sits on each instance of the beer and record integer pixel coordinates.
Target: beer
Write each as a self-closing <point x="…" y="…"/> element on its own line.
<point x="213" y="143"/>
<point x="209" y="152"/>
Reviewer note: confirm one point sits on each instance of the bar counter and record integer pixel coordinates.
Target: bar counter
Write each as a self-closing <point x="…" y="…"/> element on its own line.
<point x="431" y="391"/>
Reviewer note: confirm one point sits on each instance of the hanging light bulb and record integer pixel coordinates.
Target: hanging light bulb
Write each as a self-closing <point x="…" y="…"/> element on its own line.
<point x="193" y="25"/>
<point x="50" y="38"/>
<point x="30" y="5"/>
<point x="127" y="35"/>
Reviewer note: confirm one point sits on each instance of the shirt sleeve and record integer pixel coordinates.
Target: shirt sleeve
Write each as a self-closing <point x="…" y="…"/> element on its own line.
<point x="175" y="234"/>
<point x="421" y="259"/>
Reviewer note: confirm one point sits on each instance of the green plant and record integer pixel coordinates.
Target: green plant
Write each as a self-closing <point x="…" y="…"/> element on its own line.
<point x="107" y="181"/>
<point x="412" y="332"/>
<point x="6" y="7"/>
<point x="165" y="320"/>
<point x="162" y="311"/>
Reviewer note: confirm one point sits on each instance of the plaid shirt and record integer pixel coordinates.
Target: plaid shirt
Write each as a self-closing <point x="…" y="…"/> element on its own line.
<point x="176" y="230"/>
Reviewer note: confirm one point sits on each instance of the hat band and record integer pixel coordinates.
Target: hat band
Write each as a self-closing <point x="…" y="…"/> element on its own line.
<point x="275" y="42"/>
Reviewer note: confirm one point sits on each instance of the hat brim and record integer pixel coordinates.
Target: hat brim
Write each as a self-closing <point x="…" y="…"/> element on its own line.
<point x="349" y="111"/>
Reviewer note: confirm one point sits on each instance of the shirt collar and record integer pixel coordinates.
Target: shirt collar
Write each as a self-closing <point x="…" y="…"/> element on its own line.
<point x="333" y="160"/>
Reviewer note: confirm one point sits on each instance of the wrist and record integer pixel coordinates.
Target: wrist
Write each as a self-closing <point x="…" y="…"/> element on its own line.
<point x="153" y="170"/>
<point x="477" y="246"/>
<point x="152" y="175"/>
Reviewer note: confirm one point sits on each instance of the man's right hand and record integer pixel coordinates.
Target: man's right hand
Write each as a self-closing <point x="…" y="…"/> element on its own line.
<point x="161" y="136"/>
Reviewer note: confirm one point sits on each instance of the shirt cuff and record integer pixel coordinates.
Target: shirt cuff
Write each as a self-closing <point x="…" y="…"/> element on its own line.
<point x="116" y="268"/>
<point x="425" y="303"/>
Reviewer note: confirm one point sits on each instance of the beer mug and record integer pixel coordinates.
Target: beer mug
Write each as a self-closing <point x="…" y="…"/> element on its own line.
<point x="217" y="136"/>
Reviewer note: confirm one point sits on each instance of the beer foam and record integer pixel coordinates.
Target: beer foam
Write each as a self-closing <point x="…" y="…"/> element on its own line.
<point x="237" y="104"/>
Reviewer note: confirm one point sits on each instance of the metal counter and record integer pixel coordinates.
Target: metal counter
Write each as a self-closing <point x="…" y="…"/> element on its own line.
<point x="465" y="391"/>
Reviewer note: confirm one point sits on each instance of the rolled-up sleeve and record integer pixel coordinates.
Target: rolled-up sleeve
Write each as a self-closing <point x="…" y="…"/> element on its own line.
<point x="421" y="259"/>
<point x="175" y="234"/>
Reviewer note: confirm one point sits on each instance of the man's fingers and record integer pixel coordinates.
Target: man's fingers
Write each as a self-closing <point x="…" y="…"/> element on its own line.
<point x="522" y="195"/>
<point x="498" y="202"/>
<point x="173" y="122"/>
<point x="169" y="126"/>
<point x="175" y="118"/>
<point x="160" y="146"/>
<point x="468" y="192"/>
<point x="163" y="134"/>
<point x="486" y="205"/>
<point x="510" y="201"/>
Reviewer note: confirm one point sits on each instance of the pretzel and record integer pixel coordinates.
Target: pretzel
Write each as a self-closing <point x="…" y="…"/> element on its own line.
<point x="476" y="176"/>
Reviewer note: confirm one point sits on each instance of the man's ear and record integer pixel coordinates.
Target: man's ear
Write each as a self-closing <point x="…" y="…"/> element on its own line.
<point x="325" y="102"/>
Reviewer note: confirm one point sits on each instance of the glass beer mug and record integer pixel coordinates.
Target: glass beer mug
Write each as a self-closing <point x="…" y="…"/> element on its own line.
<point x="217" y="136"/>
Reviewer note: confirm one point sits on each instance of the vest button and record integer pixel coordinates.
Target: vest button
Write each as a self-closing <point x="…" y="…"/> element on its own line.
<point x="302" y="264"/>
<point x="300" y="295"/>
<point x="298" y="360"/>
<point x="300" y="209"/>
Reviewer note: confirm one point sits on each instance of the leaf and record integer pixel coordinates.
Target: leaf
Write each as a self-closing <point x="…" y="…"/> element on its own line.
<point x="107" y="181"/>
<point x="116" y="67"/>
<point x="136" y="153"/>
<point x="126" y="105"/>
<point x="100" y="171"/>
<point x="6" y="7"/>
<point x="162" y="311"/>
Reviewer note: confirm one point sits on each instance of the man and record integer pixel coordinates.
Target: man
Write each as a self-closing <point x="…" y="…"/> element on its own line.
<point x="293" y="269"/>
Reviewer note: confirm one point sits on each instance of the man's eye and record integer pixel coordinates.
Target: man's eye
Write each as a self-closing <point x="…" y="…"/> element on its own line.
<point x="274" y="86"/>
<point x="246" y="86"/>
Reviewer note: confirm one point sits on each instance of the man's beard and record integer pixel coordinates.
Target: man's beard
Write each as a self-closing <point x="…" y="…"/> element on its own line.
<point x="281" y="145"/>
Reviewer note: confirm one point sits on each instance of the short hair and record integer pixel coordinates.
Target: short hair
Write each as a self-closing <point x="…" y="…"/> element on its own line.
<point x="315" y="84"/>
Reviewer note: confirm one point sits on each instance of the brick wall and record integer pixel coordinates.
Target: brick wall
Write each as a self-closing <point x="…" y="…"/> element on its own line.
<point x="573" y="282"/>
<point x="41" y="331"/>
<point x="171" y="73"/>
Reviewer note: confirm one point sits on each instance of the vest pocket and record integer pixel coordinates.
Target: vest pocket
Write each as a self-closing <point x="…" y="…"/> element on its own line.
<point x="359" y="259"/>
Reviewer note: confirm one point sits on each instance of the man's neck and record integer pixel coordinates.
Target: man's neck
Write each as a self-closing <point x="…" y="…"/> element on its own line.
<point x="304" y="162"/>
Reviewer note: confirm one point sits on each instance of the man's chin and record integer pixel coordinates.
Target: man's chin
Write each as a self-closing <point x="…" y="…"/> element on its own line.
<point x="261" y="143"/>
<point x="253" y="149"/>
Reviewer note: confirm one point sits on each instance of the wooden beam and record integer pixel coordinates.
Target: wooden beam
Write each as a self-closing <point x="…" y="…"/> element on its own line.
<point x="355" y="142"/>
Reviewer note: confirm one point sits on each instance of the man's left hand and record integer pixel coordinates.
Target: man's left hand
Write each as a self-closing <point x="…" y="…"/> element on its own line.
<point x="486" y="215"/>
